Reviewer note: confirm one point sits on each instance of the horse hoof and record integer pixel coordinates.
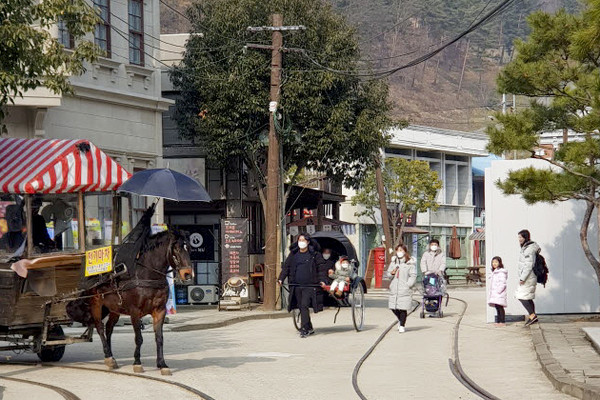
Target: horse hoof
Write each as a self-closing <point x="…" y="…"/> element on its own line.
<point x="165" y="371"/>
<point x="138" y="369"/>
<point x="111" y="363"/>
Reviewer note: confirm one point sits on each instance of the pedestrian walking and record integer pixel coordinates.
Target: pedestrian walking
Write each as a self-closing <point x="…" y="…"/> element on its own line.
<point x="434" y="260"/>
<point x="497" y="294"/>
<point x="403" y="270"/>
<point x="300" y="268"/>
<point x="527" y="279"/>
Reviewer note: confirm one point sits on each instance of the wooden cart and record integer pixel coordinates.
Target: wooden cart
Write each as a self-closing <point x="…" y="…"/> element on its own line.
<point x="40" y="272"/>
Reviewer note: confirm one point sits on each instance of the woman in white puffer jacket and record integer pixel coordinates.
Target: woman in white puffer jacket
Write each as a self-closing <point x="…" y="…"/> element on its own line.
<point x="527" y="279"/>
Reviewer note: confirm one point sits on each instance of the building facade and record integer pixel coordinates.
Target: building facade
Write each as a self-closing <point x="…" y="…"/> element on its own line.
<point x="449" y="153"/>
<point x="117" y="102"/>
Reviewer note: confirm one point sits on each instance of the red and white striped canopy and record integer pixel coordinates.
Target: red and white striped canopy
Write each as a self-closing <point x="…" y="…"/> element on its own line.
<point x="56" y="166"/>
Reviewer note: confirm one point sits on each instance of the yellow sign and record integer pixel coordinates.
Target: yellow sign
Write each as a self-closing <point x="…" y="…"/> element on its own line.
<point x="98" y="261"/>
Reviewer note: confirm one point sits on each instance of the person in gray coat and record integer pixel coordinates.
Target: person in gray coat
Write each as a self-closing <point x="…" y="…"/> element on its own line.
<point x="527" y="279"/>
<point x="403" y="270"/>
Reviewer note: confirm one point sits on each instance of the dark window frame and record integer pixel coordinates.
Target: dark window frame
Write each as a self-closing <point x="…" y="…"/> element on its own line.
<point x="134" y="33"/>
<point x="104" y="23"/>
<point x="69" y="41"/>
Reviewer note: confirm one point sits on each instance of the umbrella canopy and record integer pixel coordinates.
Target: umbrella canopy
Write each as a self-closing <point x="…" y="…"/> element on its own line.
<point x="167" y="184"/>
<point x="454" y="245"/>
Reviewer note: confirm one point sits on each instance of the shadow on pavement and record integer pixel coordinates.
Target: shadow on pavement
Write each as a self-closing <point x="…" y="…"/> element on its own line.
<point x="223" y="362"/>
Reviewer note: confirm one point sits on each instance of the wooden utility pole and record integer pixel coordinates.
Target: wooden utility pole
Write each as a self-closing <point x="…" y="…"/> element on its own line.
<point x="273" y="223"/>
<point x="385" y="220"/>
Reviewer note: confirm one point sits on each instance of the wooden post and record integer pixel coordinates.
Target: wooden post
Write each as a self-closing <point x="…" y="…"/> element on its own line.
<point x="115" y="216"/>
<point x="29" y="224"/>
<point x="385" y="220"/>
<point x="81" y="221"/>
<point x="272" y="232"/>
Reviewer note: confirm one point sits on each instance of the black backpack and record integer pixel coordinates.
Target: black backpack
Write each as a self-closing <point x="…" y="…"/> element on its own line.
<point x="540" y="269"/>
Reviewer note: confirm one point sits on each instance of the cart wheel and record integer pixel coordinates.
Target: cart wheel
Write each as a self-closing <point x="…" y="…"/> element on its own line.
<point x="422" y="315"/>
<point x="358" y="307"/>
<point x="53" y="353"/>
<point x="296" y="317"/>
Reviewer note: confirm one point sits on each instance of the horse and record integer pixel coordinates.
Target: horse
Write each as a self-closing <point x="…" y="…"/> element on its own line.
<point x="146" y="292"/>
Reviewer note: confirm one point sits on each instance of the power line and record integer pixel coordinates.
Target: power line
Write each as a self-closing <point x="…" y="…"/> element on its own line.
<point x="386" y="73"/>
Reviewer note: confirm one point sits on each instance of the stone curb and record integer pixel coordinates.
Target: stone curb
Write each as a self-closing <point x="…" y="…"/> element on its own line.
<point x="556" y="373"/>
<point x="187" y="327"/>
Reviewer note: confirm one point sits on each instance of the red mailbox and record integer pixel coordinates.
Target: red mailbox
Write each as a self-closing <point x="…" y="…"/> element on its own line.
<point x="379" y="265"/>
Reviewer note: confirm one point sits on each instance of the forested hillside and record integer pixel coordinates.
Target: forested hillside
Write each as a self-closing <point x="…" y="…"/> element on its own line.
<point x="456" y="88"/>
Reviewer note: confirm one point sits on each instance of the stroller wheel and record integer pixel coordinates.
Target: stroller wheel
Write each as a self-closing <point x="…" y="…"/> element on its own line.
<point x="441" y="314"/>
<point x="422" y="314"/>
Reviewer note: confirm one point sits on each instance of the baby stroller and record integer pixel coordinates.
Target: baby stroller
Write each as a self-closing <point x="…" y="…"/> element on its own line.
<point x="433" y="293"/>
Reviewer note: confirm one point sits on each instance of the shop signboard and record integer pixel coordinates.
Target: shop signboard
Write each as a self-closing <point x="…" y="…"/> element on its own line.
<point x="202" y="242"/>
<point x="234" y="242"/>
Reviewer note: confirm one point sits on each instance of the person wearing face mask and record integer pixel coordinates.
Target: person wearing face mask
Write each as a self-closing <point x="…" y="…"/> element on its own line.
<point x="434" y="260"/>
<point x="403" y="270"/>
<point x="300" y="268"/>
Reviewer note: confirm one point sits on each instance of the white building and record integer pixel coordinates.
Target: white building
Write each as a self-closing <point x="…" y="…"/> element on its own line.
<point x="449" y="153"/>
<point x="117" y="102"/>
<point x="572" y="284"/>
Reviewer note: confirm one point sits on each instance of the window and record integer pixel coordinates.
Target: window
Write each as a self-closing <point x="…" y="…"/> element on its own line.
<point x="55" y="227"/>
<point x="64" y="36"/>
<point x="256" y="232"/>
<point x="102" y="31"/>
<point x="98" y="220"/>
<point x="136" y="32"/>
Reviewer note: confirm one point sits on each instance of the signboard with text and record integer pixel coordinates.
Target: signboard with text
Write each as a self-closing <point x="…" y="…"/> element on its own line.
<point x="234" y="247"/>
<point x="98" y="261"/>
<point x="202" y="242"/>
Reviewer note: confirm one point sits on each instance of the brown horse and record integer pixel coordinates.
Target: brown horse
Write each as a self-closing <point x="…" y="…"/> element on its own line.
<point x="146" y="292"/>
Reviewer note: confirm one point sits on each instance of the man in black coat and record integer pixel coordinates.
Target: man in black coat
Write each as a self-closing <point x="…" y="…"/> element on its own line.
<point x="301" y="270"/>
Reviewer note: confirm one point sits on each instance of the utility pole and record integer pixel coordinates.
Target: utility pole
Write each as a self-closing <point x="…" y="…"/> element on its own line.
<point x="387" y="232"/>
<point x="273" y="222"/>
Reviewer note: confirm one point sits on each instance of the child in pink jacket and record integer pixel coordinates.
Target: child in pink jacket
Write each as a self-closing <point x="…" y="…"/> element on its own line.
<point x="497" y="293"/>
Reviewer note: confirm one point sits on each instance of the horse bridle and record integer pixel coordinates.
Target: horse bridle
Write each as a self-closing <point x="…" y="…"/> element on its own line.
<point x="170" y="257"/>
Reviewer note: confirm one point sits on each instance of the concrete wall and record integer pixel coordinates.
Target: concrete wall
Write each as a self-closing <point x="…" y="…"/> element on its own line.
<point x="572" y="285"/>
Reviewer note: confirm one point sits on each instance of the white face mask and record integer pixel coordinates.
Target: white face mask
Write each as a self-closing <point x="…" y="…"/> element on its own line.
<point x="302" y="245"/>
<point x="345" y="265"/>
<point x="400" y="254"/>
<point x="433" y="247"/>
<point x="326" y="256"/>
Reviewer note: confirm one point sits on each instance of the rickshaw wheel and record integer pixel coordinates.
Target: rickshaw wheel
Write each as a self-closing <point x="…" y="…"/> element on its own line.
<point x="296" y="318"/>
<point x="358" y="307"/>
<point x="53" y="353"/>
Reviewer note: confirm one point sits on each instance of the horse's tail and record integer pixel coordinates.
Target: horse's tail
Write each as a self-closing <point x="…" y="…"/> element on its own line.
<point x="80" y="310"/>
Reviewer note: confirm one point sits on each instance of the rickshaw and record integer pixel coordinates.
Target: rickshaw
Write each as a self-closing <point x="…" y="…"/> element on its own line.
<point x="59" y="219"/>
<point x="354" y="294"/>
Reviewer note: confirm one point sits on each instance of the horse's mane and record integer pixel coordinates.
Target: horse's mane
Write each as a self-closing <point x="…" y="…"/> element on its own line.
<point x="154" y="241"/>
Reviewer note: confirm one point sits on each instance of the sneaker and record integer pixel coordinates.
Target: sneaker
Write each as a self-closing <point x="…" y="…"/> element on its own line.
<point x="531" y="321"/>
<point x="401" y="329"/>
<point x="303" y="334"/>
<point x="311" y="332"/>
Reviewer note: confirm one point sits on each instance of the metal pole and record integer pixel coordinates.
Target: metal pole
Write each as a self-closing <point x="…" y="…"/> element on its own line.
<point x="272" y="228"/>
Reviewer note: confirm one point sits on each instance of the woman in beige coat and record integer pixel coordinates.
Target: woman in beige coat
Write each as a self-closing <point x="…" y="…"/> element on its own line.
<point x="403" y="270"/>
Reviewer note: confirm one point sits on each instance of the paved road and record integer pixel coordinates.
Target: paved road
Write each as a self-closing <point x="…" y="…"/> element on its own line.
<point x="267" y="360"/>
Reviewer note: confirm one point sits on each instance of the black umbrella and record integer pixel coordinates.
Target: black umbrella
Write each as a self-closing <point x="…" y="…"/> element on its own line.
<point x="165" y="183"/>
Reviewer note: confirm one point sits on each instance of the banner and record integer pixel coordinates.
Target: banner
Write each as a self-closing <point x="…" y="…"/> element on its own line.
<point x="234" y="248"/>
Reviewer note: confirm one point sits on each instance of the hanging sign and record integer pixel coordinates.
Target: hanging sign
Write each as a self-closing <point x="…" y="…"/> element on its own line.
<point x="98" y="261"/>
